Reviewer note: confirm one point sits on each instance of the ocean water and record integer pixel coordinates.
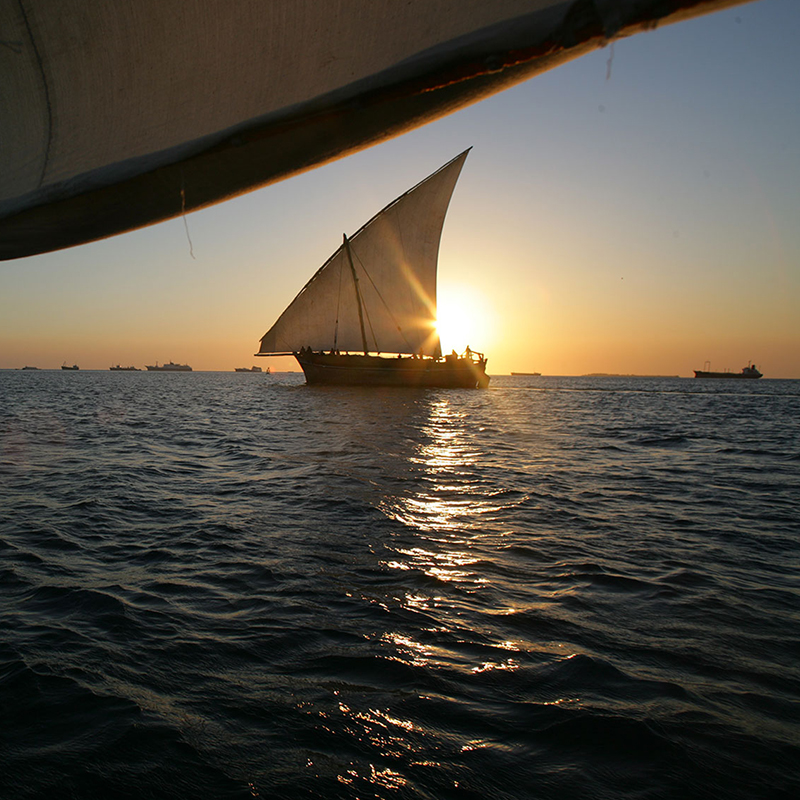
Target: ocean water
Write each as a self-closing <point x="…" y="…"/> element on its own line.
<point x="234" y="585"/>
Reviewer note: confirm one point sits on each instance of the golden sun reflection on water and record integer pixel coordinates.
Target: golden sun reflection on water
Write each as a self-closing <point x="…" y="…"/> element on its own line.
<point x="440" y="606"/>
<point x="382" y="730"/>
<point x="447" y="463"/>
<point x="448" y="514"/>
<point x="445" y="566"/>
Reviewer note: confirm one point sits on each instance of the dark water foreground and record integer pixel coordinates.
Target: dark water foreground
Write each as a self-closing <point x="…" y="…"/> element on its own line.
<point x="232" y="585"/>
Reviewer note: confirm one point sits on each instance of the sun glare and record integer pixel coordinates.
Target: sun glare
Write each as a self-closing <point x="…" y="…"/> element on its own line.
<point x="462" y="319"/>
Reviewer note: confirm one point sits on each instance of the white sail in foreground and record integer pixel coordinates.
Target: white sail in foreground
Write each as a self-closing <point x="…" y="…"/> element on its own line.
<point x="116" y="115"/>
<point x="394" y="260"/>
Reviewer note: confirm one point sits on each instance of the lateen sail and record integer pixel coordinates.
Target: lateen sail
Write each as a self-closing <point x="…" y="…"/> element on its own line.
<point x="394" y="257"/>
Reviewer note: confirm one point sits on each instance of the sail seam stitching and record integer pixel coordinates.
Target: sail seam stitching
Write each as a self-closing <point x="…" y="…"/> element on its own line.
<point x="46" y="161"/>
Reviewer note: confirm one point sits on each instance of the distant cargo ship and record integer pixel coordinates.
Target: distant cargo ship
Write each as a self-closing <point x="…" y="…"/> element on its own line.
<point x="118" y="368"/>
<point x="74" y="366"/>
<point x="250" y="369"/>
<point x="530" y="374"/>
<point x="748" y="373"/>
<point x="170" y="367"/>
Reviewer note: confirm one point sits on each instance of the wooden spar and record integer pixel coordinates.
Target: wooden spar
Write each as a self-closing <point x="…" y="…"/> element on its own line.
<point x="358" y="293"/>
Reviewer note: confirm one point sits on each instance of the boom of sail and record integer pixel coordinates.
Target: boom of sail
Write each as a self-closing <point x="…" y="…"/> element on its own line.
<point x="377" y="292"/>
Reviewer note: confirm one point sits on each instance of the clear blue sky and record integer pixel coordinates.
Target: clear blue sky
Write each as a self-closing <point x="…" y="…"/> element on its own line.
<point x="634" y="211"/>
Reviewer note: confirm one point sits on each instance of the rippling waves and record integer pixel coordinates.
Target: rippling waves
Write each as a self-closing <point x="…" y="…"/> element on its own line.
<point x="233" y="585"/>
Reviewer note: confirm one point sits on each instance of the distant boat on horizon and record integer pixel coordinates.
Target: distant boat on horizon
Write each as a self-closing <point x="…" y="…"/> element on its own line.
<point x="118" y="368"/>
<point x="528" y="374"/>
<point x="169" y="367"/>
<point x="30" y="367"/>
<point x="74" y="366"/>
<point x="748" y="373"/>
<point x="367" y="317"/>
<point x="251" y="369"/>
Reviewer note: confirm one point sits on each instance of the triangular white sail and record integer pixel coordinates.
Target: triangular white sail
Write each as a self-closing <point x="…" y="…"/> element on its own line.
<point x="394" y="258"/>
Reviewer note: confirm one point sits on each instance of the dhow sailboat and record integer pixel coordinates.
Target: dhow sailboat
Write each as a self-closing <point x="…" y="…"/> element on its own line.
<point x="368" y="315"/>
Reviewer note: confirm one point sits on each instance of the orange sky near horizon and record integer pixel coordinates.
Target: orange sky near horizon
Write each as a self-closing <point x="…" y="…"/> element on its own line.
<point x="639" y="223"/>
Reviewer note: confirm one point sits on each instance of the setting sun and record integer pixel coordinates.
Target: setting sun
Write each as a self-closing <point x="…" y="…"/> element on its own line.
<point x="463" y="319"/>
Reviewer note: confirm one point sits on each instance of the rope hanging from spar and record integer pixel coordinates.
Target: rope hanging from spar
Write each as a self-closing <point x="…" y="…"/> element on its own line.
<point x="358" y="294"/>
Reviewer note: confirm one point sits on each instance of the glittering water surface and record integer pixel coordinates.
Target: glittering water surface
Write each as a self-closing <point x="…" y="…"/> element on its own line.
<point x="234" y="585"/>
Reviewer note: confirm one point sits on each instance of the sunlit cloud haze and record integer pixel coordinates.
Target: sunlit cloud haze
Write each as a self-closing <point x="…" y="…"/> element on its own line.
<point x="634" y="211"/>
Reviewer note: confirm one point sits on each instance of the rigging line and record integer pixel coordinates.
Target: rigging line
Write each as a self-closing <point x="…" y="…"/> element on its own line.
<point x="358" y="294"/>
<point x="386" y="305"/>
<point x="371" y="329"/>
<point x="183" y="212"/>
<point x="338" y="303"/>
<point x="364" y="305"/>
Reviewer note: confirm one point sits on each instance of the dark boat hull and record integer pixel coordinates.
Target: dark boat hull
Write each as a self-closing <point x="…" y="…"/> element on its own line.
<point x="325" y="369"/>
<point x="736" y="376"/>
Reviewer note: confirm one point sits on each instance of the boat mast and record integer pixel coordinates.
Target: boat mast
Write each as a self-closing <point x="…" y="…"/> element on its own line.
<point x="358" y="293"/>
